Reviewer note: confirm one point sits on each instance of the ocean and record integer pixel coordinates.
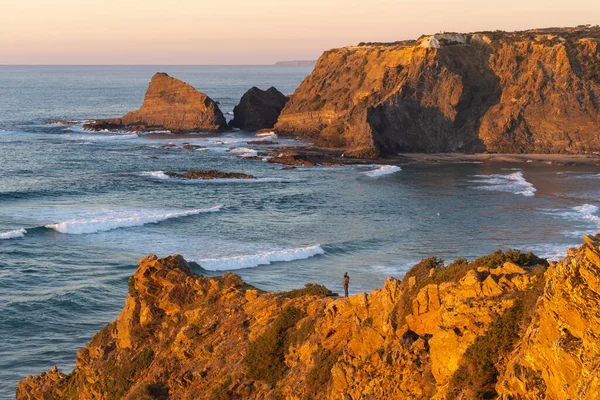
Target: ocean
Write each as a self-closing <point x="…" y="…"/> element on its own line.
<point x="78" y="208"/>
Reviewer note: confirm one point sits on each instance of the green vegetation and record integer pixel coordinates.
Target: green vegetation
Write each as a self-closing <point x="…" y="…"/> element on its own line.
<point x="222" y="391"/>
<point x="310" y="289"/>
<point x="122" y="372"/>
<point x="320" y="374"/>
<point x="131" y="284"/>
<point x="478" y="372"/>
<point x="265" y="358"/>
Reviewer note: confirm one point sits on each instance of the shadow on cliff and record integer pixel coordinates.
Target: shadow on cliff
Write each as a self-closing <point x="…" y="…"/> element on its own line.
<point x="441" y="110"/>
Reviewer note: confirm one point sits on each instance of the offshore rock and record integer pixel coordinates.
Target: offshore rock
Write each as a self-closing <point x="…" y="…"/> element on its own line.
<point x="524" y="92"/>
<point x="258" y="109"/>
<point x="169" y="104"/>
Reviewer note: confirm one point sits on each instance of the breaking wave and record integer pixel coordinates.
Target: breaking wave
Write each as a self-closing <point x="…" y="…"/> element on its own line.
<point x="18" y="233"/>
<point x="110" y="220"/>
<point x="586" y="212"/>
<point x="263" y="258"/>
<point x="383" y="170"/>
<point x="513" y="183"/>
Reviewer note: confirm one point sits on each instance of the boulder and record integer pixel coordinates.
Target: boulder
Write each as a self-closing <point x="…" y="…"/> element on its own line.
<point x="258" y="109"/>
<point x="169" y="104"/>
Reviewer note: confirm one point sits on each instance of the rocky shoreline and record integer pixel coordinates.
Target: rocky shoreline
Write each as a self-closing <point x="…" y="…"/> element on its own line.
<point x="507" y="324"/>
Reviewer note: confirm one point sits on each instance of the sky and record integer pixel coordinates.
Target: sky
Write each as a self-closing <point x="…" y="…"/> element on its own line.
<point x="195" y="32"/>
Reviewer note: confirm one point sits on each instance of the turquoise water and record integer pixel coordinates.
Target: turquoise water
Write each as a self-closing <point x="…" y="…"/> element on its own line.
<point x="78" y="209"/>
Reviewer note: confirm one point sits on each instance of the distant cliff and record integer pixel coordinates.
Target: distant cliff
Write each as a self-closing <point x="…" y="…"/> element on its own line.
<point x="535" y="91"/>
<point x="296" y="63"/>
<point x="169" y="104"/>
<point x="504" y="325"/>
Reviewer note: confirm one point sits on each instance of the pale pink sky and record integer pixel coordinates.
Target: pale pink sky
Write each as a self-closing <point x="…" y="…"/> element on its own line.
<point x="248" y="32"/>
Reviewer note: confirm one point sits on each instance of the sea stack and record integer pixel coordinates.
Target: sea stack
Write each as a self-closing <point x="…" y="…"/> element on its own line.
<point x="258" y="109"/>
<point x="507" y="92"/>
<point x="169" y="104"/>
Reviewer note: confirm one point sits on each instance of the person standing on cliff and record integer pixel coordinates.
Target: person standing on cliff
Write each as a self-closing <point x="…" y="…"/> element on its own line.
<point x="346" y="283"/>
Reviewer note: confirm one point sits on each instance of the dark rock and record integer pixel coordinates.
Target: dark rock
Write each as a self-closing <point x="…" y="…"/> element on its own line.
<point x="258" y="109"/>
<point x="209" y="174"/>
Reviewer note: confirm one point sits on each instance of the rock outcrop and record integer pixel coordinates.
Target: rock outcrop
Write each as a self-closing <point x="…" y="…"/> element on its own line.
<point x="523" y="92"/>
<point x="169" y="104"/>
<point x="208" y="175"/>
<point x="258" y="109"/>
<point x="503" y="325"/>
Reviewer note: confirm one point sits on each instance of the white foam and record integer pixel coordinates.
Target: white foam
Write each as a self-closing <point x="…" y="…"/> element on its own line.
<point x="512" y="183"/>
<point x="244" y="151"/>
<point x="382" y="170"/>
<point x="97" y="138"/>
<point x="263" y="258"/>
<point x="106" y="220"/>
<point x="13" y="234"/>
<point x="156" y="174"/>
<point x="584" y="212"/>
<point x="162" y="176"/>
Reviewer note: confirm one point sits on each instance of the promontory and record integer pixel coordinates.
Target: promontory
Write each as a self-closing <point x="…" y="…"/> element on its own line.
<point x="508" y="325"/>
<point x="535" y="91"/>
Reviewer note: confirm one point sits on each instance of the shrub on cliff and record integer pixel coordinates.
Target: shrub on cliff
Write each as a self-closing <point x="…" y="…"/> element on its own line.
<point x="265" y="358"/>
<point x="310" y="289"/>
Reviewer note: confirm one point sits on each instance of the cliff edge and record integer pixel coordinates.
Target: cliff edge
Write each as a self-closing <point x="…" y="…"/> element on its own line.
<point x="534" y="91"/>
<point x="505" y="325"/>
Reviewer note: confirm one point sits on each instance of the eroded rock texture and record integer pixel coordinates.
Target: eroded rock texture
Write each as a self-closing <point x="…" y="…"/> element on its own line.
<point x="524" y="92"/>
<point x="530" y="330"/>
<point x="169" y="104"/>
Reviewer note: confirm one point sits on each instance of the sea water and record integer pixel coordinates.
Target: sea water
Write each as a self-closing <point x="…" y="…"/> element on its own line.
<point x="78" y="208"/>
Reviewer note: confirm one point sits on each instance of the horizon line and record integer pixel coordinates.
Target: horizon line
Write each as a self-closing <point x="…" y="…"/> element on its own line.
<point x="153" y="65"/>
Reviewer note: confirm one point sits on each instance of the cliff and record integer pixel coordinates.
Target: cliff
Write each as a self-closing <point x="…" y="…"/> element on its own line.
<point x="169" y="104"/>
<point x="504" y="325"/>
<point x="523" y="92"/>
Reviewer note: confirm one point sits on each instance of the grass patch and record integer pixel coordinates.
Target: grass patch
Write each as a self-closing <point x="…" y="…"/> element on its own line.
<point x="222" y="391"/>
<point x="121" y="373"/>
<point x="320" y="374"/>
<point x="265" y="358"/>
<point x="131" y="284"/>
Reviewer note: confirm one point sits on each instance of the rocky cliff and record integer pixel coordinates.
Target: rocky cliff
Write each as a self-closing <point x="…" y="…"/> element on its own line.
<point x="505" y="325"/>
<point x="258" y="109"/>
<point x="521" y="92"/>
<point x="169" y="104"/>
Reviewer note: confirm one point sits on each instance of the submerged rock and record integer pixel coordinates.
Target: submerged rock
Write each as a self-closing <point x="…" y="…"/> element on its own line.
<point x="209" y="174"/>
<point x="258" y="109"/>
<point x="169" y="104"/>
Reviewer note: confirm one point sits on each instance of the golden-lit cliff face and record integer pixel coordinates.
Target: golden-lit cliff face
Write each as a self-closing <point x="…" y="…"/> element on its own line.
<point x="504" y="325"/>
<point x="172" y="105"/>
<point x="524" y="92"/>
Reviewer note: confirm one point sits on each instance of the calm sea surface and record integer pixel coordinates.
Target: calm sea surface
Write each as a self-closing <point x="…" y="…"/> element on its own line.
<point x="78" y="209"/>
